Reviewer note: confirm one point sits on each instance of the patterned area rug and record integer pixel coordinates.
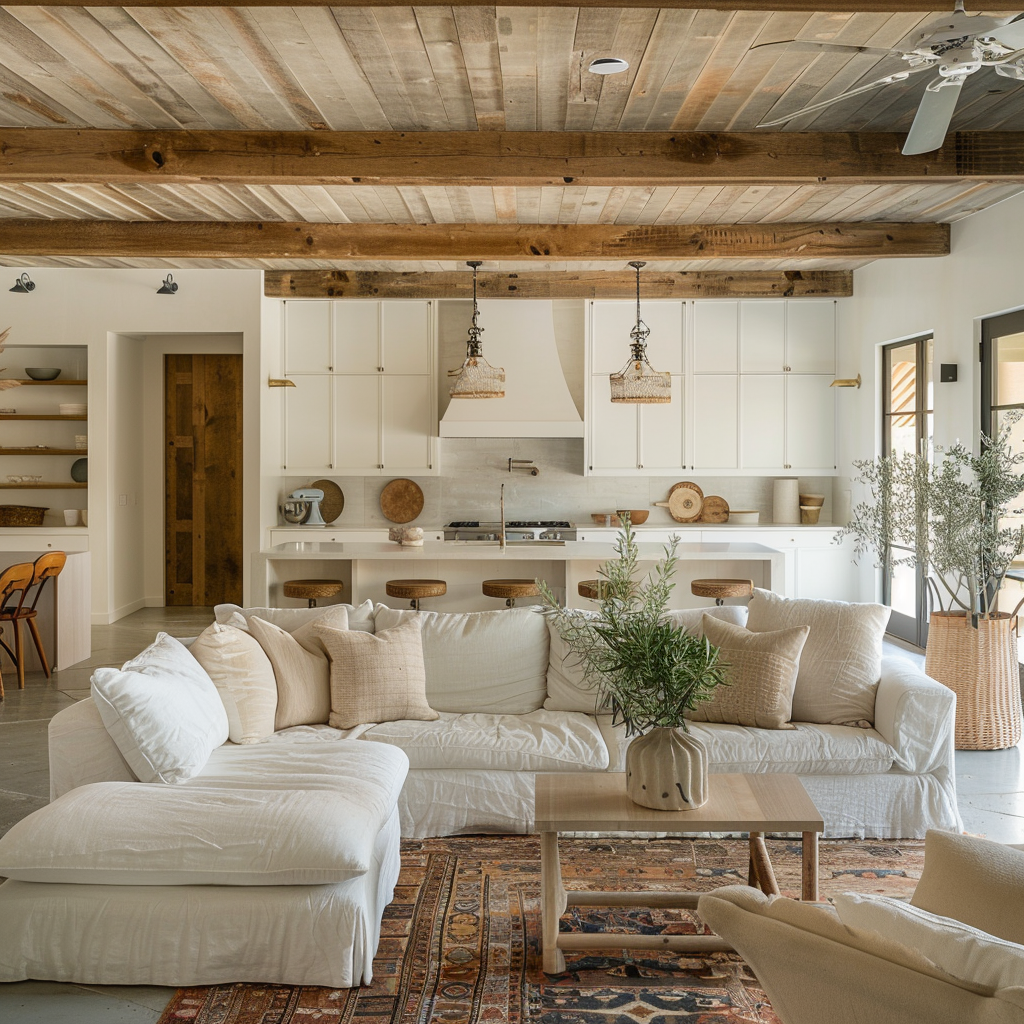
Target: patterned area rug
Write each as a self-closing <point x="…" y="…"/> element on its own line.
<point x="460" y="941"/>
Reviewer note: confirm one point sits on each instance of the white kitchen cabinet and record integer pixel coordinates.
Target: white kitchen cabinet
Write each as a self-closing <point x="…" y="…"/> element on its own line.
<point x="715" y="428"/>
<point x="405" y="442"/>
<point x="635" y="439"/>
<point x="404" y="327"/>
<point x="787" y="336"/>
<point x="356" y="336"/>
<point x="787" y="421"/>
<point x="715" y="337"/>
<point x="611" y="322"/>
<point x="762" y="421"/>
<point x="307" y="334"/>
<point x="762" y="335"/>
<point x="357" y="429"/>
<point x="308" y="424"/>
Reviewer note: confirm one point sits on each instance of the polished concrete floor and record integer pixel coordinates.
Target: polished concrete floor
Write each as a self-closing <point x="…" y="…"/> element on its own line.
<point x="990" y="786"/>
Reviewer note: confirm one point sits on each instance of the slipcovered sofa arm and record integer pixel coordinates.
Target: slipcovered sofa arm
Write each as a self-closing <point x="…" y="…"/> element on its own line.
<point x="915" y="715"/>
<point x="81" y="750"/>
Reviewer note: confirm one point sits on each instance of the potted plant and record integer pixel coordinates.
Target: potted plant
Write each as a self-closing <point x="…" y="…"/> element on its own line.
<point x="648" y="671"/>
<point x="950" y="513"/>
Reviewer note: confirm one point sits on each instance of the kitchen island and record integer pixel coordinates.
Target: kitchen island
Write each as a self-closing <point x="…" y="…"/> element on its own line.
<point x="364" y="568"/>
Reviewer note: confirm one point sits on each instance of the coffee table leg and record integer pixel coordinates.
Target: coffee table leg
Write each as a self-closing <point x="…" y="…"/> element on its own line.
<point x="809" y="880"/>
<point x="552" y="903"/>
<point x="763" y="870"/>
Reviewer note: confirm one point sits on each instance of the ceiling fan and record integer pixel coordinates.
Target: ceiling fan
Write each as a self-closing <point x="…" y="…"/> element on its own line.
<point x="956" y="46"/>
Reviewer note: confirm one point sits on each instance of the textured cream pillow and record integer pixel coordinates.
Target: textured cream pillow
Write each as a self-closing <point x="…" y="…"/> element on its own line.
<point x="303" y="678"/>
<point x="360" y="616"/>
<point x="761" y="671"/>
<point x="377" y="678"/>
<point x="841" y="661"/>
<point x="975" y="881"/>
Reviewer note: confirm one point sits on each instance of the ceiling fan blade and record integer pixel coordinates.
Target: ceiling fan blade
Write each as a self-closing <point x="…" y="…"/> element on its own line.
<point x="1011" y="34"/>
<point x="957" y="25"/>
<point x="931" y="122"/>
<point x="897" y="76"/>
<point x="876" y="51"/>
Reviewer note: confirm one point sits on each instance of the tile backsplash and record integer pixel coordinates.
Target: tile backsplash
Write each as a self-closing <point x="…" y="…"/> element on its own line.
<point x="473" y="470"/>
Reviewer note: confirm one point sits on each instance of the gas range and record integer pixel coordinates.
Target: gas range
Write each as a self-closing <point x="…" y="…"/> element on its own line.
<point x="517" y="531"/>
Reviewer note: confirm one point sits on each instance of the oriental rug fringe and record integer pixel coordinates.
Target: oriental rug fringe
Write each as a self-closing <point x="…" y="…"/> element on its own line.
<point x="460" y="941"/>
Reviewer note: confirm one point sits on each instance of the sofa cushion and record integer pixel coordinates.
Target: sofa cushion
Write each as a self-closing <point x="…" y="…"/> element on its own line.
<point x="303" y="676"/>
<point x="124" y="833"/>
<point x="958" y="949"/>
<point x="841" y="661"/>
<point x="162" y="710"/>
<point x="975" y="881"/>
<point x="760" y="673"/>
<point x="803" y="750"/>
<point x="567" y="687"/>
<point x="290" y="619"/>
<point x="376" y="678"/>
<point x="244" y="677"/>
<point x="492" y="661"/>
<point x="541" y="741"/>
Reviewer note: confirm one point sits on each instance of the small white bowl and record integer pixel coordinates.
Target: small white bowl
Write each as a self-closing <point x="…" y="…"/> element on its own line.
<point x="744" y="516"/>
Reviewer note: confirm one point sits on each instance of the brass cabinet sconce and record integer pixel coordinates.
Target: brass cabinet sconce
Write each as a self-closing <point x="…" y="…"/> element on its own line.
<point x="280" y="382"/>
<point x="846" y="382"/>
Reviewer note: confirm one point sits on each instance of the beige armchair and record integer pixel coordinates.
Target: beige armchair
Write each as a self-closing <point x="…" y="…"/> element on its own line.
<point x="955" y="954"/>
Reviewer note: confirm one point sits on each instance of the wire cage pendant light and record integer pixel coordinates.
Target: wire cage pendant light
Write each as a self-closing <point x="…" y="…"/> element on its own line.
<point x="476" y="378"/>
<point x="638" y="382"/>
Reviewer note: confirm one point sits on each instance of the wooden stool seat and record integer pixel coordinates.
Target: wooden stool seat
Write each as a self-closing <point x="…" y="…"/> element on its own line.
<point x="594" y="589"/>
<point x="415" y="590"/>
<point x="721" y="588"/>
<point x="310" y="590"/>
<point x="510" y="590"/>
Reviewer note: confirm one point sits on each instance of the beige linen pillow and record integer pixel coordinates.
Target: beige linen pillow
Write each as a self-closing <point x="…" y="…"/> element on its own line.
<point x="303" y="678"/>
<point x="244" y="677"/>
<point x="841" y="661"/>
<point x="761" y="670"/>
<point x="976" y="881"/>
<point x="377" y="678"/>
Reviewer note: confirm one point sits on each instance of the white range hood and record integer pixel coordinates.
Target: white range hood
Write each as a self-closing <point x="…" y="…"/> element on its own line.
<point x="519" y="335"/>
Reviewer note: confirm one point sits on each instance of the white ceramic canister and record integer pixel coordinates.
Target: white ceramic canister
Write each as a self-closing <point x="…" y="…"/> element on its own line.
<point x="786" y="501"/>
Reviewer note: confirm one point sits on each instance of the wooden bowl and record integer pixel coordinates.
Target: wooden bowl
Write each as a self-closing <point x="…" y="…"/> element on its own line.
<point x="809" y="514"/>
<point x="606" y="518"/>
<point x="812" y="500"/>
<point x="637" y="516"/>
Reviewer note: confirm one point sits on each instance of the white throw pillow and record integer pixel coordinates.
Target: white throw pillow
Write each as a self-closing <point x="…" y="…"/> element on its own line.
<point x="244" y="677"/>
<point x="123" y="833"/>
<point x="290" y="619"/>
<point x="841" y="661"/>
<point x="162" y="711"/>
<point x="567" y="686"/>
<point x="958" y="949"/>
<point x="480" y="661"/>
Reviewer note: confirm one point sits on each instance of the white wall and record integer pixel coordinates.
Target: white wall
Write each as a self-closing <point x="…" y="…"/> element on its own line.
<point x="105" y="309"/>
<point x="948" y="296"/>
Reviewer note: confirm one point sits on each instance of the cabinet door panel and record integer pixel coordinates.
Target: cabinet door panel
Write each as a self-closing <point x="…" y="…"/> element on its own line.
<point x="810" y="421"/>
<point x="307" y="424"/>
<point x="762" y="421"/>
<point x="405" y="336"/>
<point x="612" y="321"/>
<point x="356" y="422"/>
<point x="613" y="429"/>
<point x="715" y="336"/>
<point x="356" y="336"/>
<point x="405" y="423"/>
<point x="715" y="409"/>
<point x="307" y="335"/>
<point x="811" y="335"/>
<point x="762" y="335"/>
<point x="661" y="431"/>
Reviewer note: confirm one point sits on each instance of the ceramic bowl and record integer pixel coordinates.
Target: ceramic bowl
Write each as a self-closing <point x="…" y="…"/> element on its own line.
<point x="43" y="372"/>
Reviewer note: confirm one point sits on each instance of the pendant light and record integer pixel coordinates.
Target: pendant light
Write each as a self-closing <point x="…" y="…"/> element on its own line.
<point x="638" y="382"/>
<point x="476" y="378"/>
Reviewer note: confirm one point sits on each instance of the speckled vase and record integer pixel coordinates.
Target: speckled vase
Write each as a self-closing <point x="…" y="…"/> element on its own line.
<point x="667" y="769"/>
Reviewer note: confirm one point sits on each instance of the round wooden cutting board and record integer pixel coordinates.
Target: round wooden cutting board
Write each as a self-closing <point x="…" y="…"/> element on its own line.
<point x="685" y="501"/>
<point x="401" y="501"/>
<point x="714" y="510"/>
<point x="334" y="499"/>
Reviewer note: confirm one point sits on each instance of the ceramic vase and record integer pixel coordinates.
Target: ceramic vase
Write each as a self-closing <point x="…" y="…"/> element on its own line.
<point x="667" y="769"/>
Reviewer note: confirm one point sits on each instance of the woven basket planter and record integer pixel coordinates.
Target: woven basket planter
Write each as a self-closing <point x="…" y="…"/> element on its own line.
<point x="980" y="667"/>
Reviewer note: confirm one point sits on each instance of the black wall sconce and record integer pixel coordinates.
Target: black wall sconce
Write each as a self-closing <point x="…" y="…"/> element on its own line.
<point x="168" y="287"/>
<point x="947" y="373"/>
<point x="24" y="285"/>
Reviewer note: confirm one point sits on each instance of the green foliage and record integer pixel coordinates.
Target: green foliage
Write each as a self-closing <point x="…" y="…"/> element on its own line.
<point x="949" y="515"/>
<point x="646" y="670"/>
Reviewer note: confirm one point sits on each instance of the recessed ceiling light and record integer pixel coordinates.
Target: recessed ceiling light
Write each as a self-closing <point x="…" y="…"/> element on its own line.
<point x="608" y="65"/>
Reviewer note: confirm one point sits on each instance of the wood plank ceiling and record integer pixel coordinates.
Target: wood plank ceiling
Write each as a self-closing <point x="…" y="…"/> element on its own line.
<point x="437" y="68"/>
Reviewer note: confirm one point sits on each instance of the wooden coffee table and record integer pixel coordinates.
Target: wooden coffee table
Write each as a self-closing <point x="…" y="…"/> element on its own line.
<point x="597" y="802"/>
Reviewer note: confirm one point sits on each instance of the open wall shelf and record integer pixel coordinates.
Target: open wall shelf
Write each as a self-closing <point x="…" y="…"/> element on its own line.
<point x="28" y="383"/>
<point x="43" y="487"/>
<point x="27" y="416"/>
<point x="43" y="451"/>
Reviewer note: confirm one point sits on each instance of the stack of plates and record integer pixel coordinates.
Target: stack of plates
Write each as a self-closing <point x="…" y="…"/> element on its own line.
<point x="73" y="409"/>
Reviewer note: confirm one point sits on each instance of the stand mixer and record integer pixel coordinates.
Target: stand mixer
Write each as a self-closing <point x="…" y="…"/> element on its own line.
<point x="302" y="507"/>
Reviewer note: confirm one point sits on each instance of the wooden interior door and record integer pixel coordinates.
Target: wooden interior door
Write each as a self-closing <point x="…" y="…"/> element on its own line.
<point x="203" y="442"/>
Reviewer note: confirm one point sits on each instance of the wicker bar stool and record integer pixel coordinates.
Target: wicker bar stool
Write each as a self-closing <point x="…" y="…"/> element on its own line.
<point x="592" y="589"/>
<point x="415" y="590"/>
<point x="721" y="589"/>
<point x="310" y="590"/>
<point x="509" y="590"/>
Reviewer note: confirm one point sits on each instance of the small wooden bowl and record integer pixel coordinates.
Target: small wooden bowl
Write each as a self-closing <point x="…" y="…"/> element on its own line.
<point x="812" y="500"/>
<point x="606" y="518"/>
<point x="637" y="516"/>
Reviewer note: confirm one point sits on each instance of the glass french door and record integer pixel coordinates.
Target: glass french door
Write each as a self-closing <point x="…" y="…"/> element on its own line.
<point x="906" y="428"/>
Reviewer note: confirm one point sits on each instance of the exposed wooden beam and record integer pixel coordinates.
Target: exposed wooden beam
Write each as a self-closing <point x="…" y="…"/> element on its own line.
<point x="825" y="6"/>
<point x="567" y="284"/>
<point x="270" y="240"/>
<point x="498" y="158"/>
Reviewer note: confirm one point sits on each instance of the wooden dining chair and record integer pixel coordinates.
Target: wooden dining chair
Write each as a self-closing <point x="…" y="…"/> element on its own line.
<point x="46" y="567"/>
<point x="15" y="583"/>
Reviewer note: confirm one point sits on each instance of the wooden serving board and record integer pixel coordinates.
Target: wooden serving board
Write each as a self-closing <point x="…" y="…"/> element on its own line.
<point x="334" y="499"/>
<point x="714" y="510"/>
<point x="401" y="501"/>
<point x="685" y="501"/>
